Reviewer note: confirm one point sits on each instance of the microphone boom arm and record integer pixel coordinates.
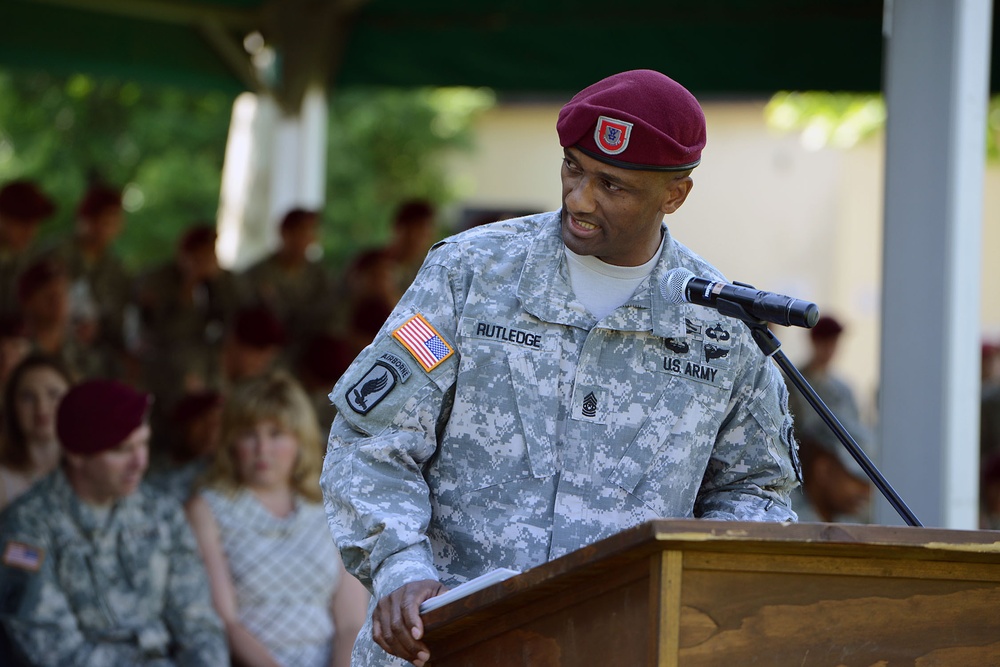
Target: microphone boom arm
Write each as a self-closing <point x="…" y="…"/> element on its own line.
<point x="771" y="347"/>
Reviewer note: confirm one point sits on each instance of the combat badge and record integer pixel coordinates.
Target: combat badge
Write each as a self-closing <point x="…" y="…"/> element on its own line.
<point x="372" y="388"/>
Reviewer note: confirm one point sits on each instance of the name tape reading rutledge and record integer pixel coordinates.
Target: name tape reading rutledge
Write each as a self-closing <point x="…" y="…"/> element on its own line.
<point x="503" y="333"/>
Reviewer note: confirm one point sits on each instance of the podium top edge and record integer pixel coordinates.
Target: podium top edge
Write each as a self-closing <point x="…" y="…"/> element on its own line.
<point x="705" y="530"/>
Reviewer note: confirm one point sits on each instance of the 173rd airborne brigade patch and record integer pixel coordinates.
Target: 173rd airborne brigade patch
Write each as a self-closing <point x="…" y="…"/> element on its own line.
<point x="422" y="341"/>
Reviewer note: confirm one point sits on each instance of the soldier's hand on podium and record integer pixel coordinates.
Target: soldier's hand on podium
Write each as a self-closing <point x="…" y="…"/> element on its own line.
<point x="396" y="624"/>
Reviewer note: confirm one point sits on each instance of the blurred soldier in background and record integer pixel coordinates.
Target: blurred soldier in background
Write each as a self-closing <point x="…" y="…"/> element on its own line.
<point x="96" y="569"/>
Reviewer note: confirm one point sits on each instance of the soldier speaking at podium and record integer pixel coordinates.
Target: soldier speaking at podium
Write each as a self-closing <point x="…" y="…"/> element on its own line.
<point x="534" y="390"/>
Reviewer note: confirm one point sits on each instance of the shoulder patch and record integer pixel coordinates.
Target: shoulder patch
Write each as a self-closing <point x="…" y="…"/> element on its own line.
<point x="423" y="341"/>
<point x="23" y="556"/>
<point x="372" y="388"/>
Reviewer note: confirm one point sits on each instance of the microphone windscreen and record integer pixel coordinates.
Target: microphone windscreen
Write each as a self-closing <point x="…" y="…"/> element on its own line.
<point x="674" y="283"/>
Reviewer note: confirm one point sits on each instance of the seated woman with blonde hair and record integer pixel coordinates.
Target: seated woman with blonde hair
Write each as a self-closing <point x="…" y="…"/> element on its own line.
<point x="29" y="449"/>
<point x="277" y="579"/>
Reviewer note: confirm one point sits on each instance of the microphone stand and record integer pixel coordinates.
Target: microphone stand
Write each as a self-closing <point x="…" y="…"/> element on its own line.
<point x="770" y="346"/>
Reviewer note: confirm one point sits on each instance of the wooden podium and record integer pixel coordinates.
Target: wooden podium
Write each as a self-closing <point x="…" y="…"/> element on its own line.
<point x="692" y="593"/>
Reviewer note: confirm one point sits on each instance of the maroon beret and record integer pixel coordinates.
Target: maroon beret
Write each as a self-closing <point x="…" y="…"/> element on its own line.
<point x="988" y="350"/>
<point x="37" y="276"/>
<point x="193" y="406"/>
<point x="826" y="327"/>
<point x="258" y="326"/>
<point x="12" y="325"/>
<point x="298" y="217"/>
<point x="198" y="236"/>
<point x="326" y="357"/>
<point x="96" y="199"/>
<point x="98" y="415"/>
<point x="414" y="212"/>
<point x="25" y="201"/>
<point x="991" y="469"/>
<point x="638" y="119"/>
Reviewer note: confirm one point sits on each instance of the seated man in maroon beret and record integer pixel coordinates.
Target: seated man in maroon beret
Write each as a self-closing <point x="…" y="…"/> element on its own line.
<point x="96" y="569"/>
<point x="535" y="390"/>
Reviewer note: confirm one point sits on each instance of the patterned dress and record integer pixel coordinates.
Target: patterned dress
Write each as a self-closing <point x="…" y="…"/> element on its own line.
<point x="285" y="572"/>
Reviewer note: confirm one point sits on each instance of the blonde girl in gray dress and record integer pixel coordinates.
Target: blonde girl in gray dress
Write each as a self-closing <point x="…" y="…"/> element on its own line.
<point x="277" y="579"/>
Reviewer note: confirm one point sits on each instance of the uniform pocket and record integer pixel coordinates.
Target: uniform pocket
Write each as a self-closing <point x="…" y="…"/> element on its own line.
<point x="484" y="444"/>
<point x="144" y="563"/>
<point x="501" y="428"/>
<point x="664" y="463"/>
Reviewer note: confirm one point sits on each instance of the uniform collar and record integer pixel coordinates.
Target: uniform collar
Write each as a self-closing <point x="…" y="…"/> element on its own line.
<point x="89" y="521"/>
<point x="544" y="288"/>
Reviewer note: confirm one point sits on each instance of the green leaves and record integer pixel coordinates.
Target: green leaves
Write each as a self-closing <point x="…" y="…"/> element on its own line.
<point x="843" y="119"/>
<point x="165" y="148"/>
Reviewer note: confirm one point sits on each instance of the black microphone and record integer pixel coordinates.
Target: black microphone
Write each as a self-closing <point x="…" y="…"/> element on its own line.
<point x="680" y="285"/>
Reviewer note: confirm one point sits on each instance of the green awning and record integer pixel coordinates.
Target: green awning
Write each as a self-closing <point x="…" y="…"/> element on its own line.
<point x="715" y="47"/>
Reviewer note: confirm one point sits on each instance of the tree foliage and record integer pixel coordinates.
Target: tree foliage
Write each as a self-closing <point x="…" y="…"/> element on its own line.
<point x="843" y="119"/>
<point x="165" y="148"/>
<point x="386" y="146"/>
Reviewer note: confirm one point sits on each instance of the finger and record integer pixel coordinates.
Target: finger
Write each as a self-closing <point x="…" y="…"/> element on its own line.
<point x="411" y="613"/>
<point x="383" y="631"/>
<point x="402" y="624"/>
<point x="379" y="627"/>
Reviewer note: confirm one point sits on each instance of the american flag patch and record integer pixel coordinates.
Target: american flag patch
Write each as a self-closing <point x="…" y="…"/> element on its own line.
<point x="423" y="342"/>
<point x="24" y="556"/>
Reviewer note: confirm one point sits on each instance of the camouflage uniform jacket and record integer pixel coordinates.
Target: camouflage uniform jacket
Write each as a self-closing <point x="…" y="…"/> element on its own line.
<point x="538" y="429"/>
<point x="302" y="299"/>
<point x="133" y="592"/>
<point x="12" y="264"/>
<point x="108" y="282"/>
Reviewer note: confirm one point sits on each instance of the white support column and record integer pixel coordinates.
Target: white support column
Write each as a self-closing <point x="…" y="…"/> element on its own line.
<point x="244" y="201"/>
<point x="315" y="117"/>
<point x="299" y="171"/>
<point x="274" y="163"/>
<point x="937" y="69"/>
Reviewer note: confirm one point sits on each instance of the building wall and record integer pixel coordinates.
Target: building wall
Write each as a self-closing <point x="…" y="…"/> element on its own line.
<point x="765" y="210"/>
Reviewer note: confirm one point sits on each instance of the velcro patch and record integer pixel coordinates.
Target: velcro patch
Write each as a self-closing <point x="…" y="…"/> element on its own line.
<point x="23" y="556"/>
<point x="423" y="341"/>
<point x="372" y="388"/>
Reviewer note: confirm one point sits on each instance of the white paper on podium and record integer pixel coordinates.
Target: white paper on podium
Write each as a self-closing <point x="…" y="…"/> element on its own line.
<point x="469" y="587"/>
